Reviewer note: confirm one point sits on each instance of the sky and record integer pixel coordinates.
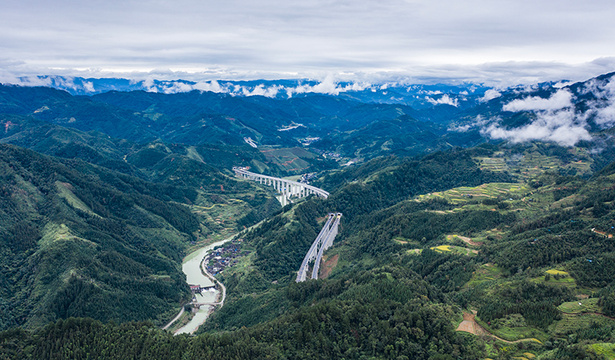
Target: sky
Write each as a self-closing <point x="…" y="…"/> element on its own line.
<point x="415" y="41"/>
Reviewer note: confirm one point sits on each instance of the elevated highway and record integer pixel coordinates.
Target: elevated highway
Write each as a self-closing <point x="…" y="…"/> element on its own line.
<point x="323" y="241"/>
<point x="288" y="188"/>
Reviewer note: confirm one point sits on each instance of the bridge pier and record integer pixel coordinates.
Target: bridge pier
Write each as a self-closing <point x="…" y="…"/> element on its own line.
<point x="286" y="188"/>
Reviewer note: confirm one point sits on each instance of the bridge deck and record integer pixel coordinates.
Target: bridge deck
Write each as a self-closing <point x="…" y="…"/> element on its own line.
<point x="288" y="183"/>
<point x="323" y="241"/>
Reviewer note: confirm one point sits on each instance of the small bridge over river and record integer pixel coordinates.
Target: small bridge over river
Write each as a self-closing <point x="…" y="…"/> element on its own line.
<point x="323" y="241"/>
<point x="287" y="188"/>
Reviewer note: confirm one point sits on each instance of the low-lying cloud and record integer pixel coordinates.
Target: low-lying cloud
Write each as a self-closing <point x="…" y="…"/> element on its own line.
<point x="555" y="120"/>
<point x="444" y="100"/>
<point x="561" y="99"/>
<point x="490" y="95"/>
<point x="562" y="127"/>
<point x="604" y="107"/>
<point x="479" y="122"/>
<point x="327" y="86"/>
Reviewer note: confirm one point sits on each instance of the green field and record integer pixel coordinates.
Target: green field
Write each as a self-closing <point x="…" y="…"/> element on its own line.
<point x="556" y="277"/>
<point x="513" y="328"/>
<point x="484" y="273"/>
<point x="454" y="250"/>
<point x="566" y="281"/>
<point x="531" y="163"/>
<point x="580" y="306"/>
<point x="557" y="272"/>
<point x="290" y="159"/>
<point x="605" y="349"/>
<point x="571" y="323"/>
<point x="465" y="194"/>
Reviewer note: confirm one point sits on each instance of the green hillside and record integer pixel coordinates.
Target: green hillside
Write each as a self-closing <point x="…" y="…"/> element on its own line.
<point x="515" y="235"/>
<point x="448" y="248"/>
<point x="79" y="240"/>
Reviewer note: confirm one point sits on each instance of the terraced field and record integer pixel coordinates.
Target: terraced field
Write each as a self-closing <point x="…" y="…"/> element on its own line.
<point x="530" y="163"/>
<point x="454" y="250"/>
<point x="292" y="160"/>
<point x="464" y="194"/>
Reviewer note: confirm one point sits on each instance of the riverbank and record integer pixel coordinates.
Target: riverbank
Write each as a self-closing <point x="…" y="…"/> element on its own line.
<point x="206" y="301"/>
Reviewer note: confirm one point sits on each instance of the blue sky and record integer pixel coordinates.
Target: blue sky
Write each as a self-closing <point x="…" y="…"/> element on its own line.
<point x="492" y="41"/>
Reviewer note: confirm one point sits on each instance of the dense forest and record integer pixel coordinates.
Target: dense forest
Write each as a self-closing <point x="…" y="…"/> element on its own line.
<point x="519" y="244"/>
<point x="79" y="240"/>
<point x="393" y="294"/>
<point x="492" y="251"/>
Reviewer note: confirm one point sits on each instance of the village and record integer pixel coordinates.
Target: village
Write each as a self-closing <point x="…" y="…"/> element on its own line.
<point x="224" y="256"/>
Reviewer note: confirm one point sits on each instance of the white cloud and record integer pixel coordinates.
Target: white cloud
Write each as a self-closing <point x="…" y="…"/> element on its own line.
<point x="88" y="86"/>
<point x="261" y="90"/>
<point x="556" y="118"/>
<point x="327" y="86"/>
<point x="150" y="85"/>
<point x="561" y="99"/>
<point x="444" y="100"/>
<point x="212" y="86"/>
<point x="490" y="95"/>
<point x="604" y="107"/>
<point x="247" y="39"/>
<point x="563" y="127"/>
<point x="479" y="121"/>
<point x="460" y="128"/>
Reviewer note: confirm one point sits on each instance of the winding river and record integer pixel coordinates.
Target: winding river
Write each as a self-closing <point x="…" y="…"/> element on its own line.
<point x="191" y="266"/>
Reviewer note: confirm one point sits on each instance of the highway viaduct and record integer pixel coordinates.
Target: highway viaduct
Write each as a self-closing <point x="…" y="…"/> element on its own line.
<point x="289" y="188"/>
<point x="323" y="241"/>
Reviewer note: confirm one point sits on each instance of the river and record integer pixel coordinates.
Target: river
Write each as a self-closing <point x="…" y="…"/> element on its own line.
<point x="191" y="266"/>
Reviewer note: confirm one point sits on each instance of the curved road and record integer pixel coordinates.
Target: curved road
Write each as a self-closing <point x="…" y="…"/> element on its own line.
<point x="215" y="281"/>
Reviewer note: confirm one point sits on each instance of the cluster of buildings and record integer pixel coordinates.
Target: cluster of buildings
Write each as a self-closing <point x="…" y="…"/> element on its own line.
<point x="222" y="257"/>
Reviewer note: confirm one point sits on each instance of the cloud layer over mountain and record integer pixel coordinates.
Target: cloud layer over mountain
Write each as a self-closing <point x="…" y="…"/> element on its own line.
<point x="558" y="118"/>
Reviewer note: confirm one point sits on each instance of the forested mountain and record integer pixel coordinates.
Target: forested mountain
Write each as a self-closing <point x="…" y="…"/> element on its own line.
<point x="449" y="247"/>
<point x="146" y="159"/>
<point x="351" y="123"/>
<point x="196" y="118"/>
<point x="76" y="238"/>
<point x="517" y="240"/>
<point x="80" y="240"/>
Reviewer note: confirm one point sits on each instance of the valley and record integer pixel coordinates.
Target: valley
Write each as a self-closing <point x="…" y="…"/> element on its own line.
<point x="129" y="218"/>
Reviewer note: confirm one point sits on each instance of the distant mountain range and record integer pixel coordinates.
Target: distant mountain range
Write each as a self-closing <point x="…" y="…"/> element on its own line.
<point x="416" y="95"/>
<point x="347" y="120"/>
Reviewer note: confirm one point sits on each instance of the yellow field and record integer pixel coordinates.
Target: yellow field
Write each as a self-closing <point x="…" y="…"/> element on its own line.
<point x="557" y="272"/>
<point x="441" y="248"/>
<point x="454" y="249"/>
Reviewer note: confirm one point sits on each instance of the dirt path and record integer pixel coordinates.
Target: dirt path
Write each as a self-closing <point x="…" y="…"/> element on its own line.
<point x="181" y="312"/>
<point x="469" y="241"/>
<point x="328" y="266"/>
<point x="470" y="325"/>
